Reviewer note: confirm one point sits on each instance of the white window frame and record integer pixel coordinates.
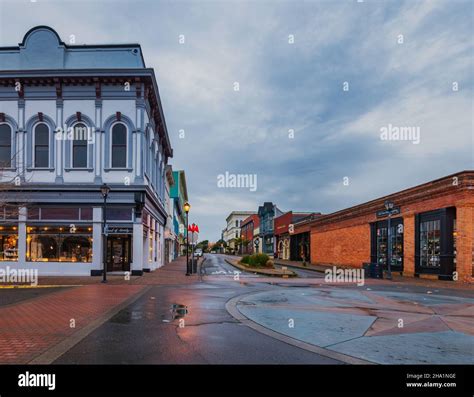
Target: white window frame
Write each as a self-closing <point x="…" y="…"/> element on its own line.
<point x="71" y="150"/>
<point x="33" y="144"/>
<point x="111" y="145"/>
<point x="11" y="143"/>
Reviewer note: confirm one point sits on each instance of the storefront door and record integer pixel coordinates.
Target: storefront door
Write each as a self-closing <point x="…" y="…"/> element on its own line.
<point x="434" y="244"/>
<point x="379" y="243"/>
<point x="118" y="253"/>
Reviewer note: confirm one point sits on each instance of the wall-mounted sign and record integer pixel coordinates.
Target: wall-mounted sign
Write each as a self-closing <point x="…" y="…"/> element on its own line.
<point x="118" y="230"/>
<point x="291" y="228"/>
<point x="383" y="213"/>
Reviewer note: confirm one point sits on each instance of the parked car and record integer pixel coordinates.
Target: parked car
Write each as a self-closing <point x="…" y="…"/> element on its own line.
<point x="198" y="252"/>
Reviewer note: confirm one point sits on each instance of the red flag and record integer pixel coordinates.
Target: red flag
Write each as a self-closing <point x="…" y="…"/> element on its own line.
<point x="196" y="228"/>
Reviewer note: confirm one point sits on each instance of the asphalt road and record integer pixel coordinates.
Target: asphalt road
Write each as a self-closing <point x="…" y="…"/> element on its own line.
<point x="188" y="325"/>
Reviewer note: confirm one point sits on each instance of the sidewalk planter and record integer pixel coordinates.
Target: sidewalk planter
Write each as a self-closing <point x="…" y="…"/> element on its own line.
<point x="262" y="271"/>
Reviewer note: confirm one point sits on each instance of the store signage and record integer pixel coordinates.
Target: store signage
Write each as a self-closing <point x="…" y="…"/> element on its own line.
<point x="118" y="230"/>
<point x="291" y="228"/>
<point x="383" y="213"/>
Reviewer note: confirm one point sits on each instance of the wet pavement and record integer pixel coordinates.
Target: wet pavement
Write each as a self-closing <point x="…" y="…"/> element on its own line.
<point x="184" y="325"/>
<point x="10" y="296"/>
<point x="384" y="327"/>
<point x="281" y="321"/>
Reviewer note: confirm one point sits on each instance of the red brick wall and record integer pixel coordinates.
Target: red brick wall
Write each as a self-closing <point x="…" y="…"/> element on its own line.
<point x="465" y="242"/>
<point x="281" y="223"/>
<point x="346" y="242"/>
<point x="349" y="246"/>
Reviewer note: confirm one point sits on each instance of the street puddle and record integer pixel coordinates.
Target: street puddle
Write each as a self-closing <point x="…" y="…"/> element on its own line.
<point x="179" y="311"/>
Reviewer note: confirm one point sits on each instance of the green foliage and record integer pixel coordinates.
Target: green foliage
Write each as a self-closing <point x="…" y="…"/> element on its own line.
<point x="204" y="245"/>
<point x="255" y="260"/>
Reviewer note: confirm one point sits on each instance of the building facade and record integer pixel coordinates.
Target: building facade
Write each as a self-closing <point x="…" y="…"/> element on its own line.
<point x="300" y="241"/>
<point x="284" y="229"/>
<point x="267" y="212"/>
<point x="179" y="193"/>
<point x="171" y="237"/>
<point x="432" y="231"/>
<point x="232" y="231"/>
<point x="71" y="119"/>
<point x="247" y="231"/>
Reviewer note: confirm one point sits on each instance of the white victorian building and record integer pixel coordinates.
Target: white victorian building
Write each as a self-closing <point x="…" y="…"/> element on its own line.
<point x="234" y="222"/>
<point x="71" y="119"/>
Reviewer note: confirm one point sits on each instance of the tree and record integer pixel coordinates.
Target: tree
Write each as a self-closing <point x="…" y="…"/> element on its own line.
<point x="219" y="245"/>
<point x="204" y="245"/>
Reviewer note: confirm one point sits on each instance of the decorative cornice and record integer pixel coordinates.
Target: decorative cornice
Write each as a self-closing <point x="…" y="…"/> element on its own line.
<point x="95" y="77"/>
<point x="430" y="190"/>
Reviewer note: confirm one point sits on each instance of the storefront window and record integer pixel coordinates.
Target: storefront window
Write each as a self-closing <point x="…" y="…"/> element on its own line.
<point x="59" y="243"/>
<point x="60" y="213"/>
<point x="8" y="243"/>
<point x="119" y="214"/>
<point x="430" y="243"/>
<point x="455" y="235"/>
<point x="397" y="245"/>
<point x="150" y="247"/>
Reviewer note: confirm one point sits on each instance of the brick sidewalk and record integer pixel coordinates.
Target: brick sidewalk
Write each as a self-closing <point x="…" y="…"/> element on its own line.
<point x="30" y="328"/>
<point x="172" y="273"/>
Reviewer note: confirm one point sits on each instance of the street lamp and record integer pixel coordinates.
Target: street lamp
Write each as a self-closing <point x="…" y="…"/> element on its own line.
<point x="186" y="208"/>
<point x="389" y="207"/>
<point x="104" y="189"/>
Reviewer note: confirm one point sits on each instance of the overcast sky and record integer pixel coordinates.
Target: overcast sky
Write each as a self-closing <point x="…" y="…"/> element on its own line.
<point x="401" y="61"/>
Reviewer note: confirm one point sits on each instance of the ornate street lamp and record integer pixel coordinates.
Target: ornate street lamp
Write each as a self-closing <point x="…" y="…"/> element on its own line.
<point x="389" y="205"/>
<point x="186" y="208"/>
<point x="104" y="189"/>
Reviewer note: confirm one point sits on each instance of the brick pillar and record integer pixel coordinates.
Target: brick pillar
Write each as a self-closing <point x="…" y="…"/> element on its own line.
<point x="409" y="245"/>
<point x="464" y="241"/>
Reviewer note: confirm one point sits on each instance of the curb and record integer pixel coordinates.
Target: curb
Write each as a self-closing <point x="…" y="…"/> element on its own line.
<point x="300" y="267"/>
<point x="56" y="351"/>
<point x="231" y="307"/>
<point x="255" y="271"/>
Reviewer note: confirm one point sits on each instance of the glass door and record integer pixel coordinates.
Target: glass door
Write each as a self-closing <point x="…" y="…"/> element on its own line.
<point x="118" y="253"/>
<point x="397" y="244"/>
<point x="430" y="244"/>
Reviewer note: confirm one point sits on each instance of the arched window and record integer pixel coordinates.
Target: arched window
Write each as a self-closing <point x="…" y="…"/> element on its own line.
<point x="5" y="145"/>
<point x="146" y="152"/>
<point x="79" y="146"/>
<point x="153" y="168"/>
<point x="41" y="145"/>
<point x="119" y="146"/>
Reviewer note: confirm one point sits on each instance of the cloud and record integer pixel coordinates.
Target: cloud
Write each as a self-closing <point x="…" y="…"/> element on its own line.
<point x="295" y="86"/>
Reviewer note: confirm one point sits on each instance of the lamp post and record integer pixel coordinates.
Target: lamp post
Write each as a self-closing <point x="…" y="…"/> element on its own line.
<point x="389" y="207"/>
<point x="186" y="208"/>
<point x="104" y="189"/>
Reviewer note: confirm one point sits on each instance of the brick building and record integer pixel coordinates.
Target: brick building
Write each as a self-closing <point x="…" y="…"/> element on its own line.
<point x="282" y="226"/>
<point x="432" y="234"/>
<point x="247" y="230"/>
<point x="300" y="242"/>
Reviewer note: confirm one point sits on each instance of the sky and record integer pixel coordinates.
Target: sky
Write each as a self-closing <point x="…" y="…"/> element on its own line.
<point x="306" y="95"/>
